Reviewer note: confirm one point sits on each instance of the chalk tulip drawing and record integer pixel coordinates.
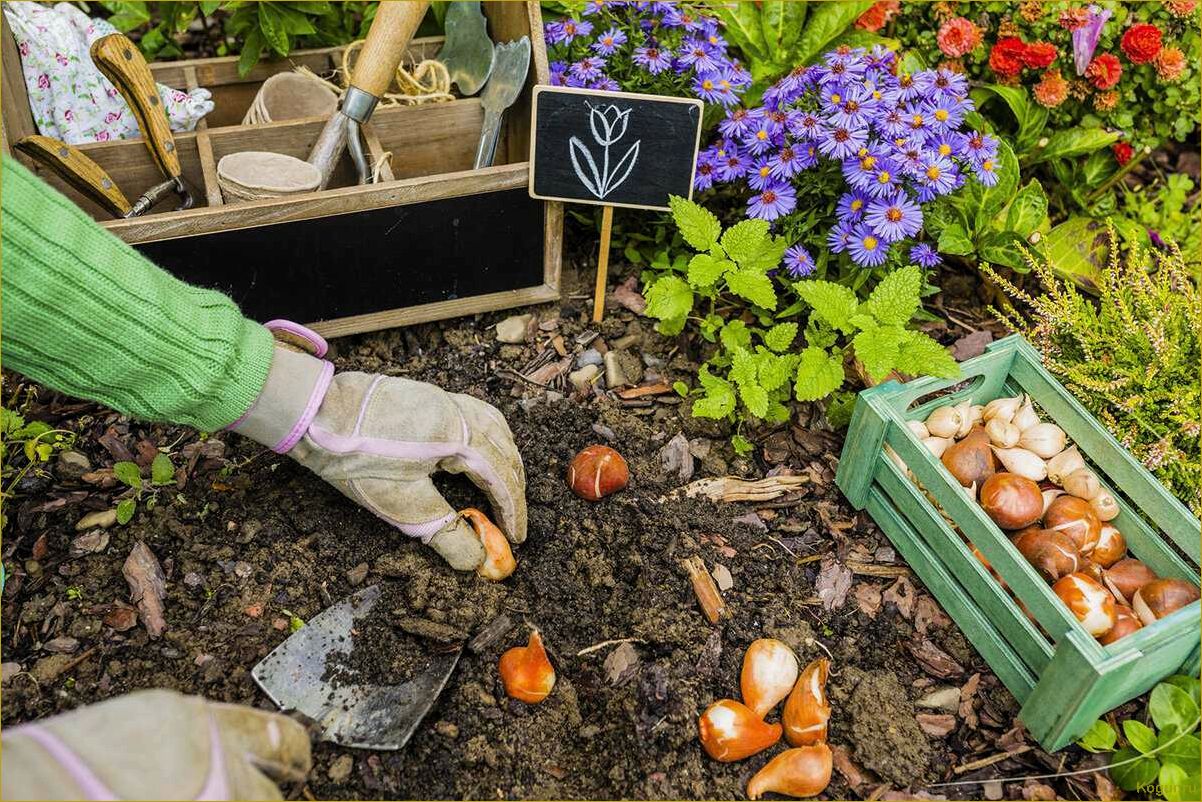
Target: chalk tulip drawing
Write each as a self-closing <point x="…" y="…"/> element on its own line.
<point x="608" y="125"/>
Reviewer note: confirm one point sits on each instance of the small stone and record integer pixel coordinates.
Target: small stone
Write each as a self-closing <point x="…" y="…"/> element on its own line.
<point x="614" y="375"/>
<point x="993" y="790"/>
<point x="676" y="458"/>
<point x="582" y="379"/>
<point x="101" y="518"/>
<point x="605" y="431"/>
<point x="945" y="698"/>
<point x="590" y="357"/>
<point x="46" y="670"/>
<point x="513" y="329"/>
<point x="8" y="671"/>
<point x="92" y="542"/>
<point x="447" y="729"/>
<point x="122" y="619"/>
<point x="722" y="577"/>
<point x="341" y="768"/>
<point x="203" y="659"/>
<point x="62" y="645"/>
<point x="254" y="610"/>
<point x="279" y="624"/>
<point x="243" y="570"/>
<point x="625" y="341"/>
<point x="357" y="574"/>
<point x="72" y="465"/>
<point x="193" y="579"/>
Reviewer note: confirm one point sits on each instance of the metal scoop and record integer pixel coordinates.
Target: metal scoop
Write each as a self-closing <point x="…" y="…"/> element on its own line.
<point x="512" y="62"/>
<point x="467" y="51"/>
<point x="364" y="716"/>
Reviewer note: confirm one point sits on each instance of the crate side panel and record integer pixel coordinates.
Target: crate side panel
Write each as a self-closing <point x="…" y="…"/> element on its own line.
<point x="858" y="462"/>
<point x="1068" y="689"/>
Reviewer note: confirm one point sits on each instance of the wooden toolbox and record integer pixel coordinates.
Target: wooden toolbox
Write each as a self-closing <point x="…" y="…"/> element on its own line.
<point x="434" y="239"/>
<point x="1064" y="678"/>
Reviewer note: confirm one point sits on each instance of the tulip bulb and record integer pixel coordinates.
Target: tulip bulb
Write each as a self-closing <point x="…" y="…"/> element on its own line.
<point x="807" y="710"/>
<point x="970" y="460"/>
<point x="1160" y="597"/>
<point x="1002" y="434"/>
<point x="1125" y="622"/>
<point x="1064" y="464"/>
<point x="1074" y="517"/>
<point x="1105" y="505"/>
<point x="498" y="557"/>
<point x="769" y="671"/>
<point x="1049" y="552"/>
<point x="1127" y="576"/>
<point x="918" y="428"/>
<point x="596" y="472"/>
<point x="1026" y="416"/>
<point x="944" y="422"/>
<point x="1111" y="546"/>
<point x="967" y="418"/>
<point x="1003" y="409"/>
<point x="1012" y="501"/>
<point x="732" y="731"/>
<point x="937" y="445"/>
<point x="795" y="772"/>
<point x="526" y="672"/>
<point x="1049" y="495"/>
<point x="1092" y="605"/>
<point x="1045" y="439"/>
<point x="1022" y="462"/>
<point x="1082" y="483"/>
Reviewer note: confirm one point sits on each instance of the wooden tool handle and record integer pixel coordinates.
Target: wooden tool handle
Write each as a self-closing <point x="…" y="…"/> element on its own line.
<point x="74" y="167"/>
<point x="393" y="27"/>
<point x="122" y="63"/>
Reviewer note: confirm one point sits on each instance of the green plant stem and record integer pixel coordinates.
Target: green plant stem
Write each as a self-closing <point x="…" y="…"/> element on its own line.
<point x="1118" y="175"/>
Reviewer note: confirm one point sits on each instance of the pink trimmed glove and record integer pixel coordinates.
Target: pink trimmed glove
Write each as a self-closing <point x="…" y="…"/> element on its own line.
<point x="155" y="745"/>
<point x="378" y="439"/>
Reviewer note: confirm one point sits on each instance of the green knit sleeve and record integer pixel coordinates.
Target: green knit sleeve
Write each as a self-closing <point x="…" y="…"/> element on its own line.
<point x="86" y="314"/>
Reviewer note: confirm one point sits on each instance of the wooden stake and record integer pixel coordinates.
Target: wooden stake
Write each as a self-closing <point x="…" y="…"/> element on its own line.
<point x="607" y="220"/>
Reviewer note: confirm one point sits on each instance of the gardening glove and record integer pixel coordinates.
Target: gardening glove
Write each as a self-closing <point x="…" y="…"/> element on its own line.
<point x="155" y="744"/>
<point x="378" y="439"/>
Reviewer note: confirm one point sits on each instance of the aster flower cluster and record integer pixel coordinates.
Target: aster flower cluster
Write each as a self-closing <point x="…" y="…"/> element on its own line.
<point x="663" y="48"/>
<point x="895" y="138"/>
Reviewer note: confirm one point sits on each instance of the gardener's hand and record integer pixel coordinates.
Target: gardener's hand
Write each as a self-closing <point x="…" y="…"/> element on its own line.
<point x="378" y="439"/>
<point x="155" y="745"/>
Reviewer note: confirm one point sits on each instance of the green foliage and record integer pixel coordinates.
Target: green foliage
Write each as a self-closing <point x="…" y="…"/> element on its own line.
<point x="753" y="320"/>
<point x="157" y="24"/>
<point x="26" y="446"/>
<point x="1131" y="356"/>
<point x="1173" y="210"/>
<point x="1161" y="760"/>
<point x="162" y="472"/>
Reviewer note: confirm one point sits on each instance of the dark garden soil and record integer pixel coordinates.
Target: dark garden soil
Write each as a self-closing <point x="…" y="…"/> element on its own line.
<point x="247" y="540"/>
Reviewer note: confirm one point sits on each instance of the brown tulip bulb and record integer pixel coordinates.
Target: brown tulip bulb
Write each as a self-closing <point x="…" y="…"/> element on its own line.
<point x="797" y="773"/>
<point x="1111" y="547"/>
<point x="1074" y="517"/>
<point x="498" y="557"/>
<point x="769" y="673"/>
<point x="732" y="731"/>
<point x="1049" y="552"/>
<point x="1125" y="622"/>
<point x="971" y="460"/>
<point x="1012" y="501"/>
<point x="807" y="709"/>
<point x="1127" y="576"/>
<point x="596" y="472"/>
<point x="1091" y="603"/>
<point x="526" y="672"/>
<point x="1160" y="597"/>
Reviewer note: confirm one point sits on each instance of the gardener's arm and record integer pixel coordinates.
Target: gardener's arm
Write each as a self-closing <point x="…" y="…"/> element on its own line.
<point x="86" y="314"/>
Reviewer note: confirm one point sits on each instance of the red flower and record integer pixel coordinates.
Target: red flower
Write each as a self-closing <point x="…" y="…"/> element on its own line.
<point x="1039" y="55"/>
<point x="1006" y="57"/>
<point x="1122" y="152"/>
<point x="1104" y="71"/>
<point x="878" y="14"/>
<point x="1141" y="43"/>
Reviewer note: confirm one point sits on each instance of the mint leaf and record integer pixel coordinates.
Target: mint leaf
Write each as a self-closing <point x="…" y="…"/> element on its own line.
<point x="745" y="239"/>
<point x="774" y="370"/>
<point x="753" y="286"/>
<point x="840" y="407"/>
<point x="895" y="299"/>
<point x="669" y="298"/>
<point x="768" y="257"/>
<point x="877" y="349"/>
<point x="818" y="374"/>
<point x="671" y="326"/>
<point x="755" y="398"/>
<point x="697" y="224"/>
<point x="681" y="388"/>
<point x="742" y="445"/>
<point x="719" y="400"/>
<point x="704" y="269"/>
<point x="735" y="335"/>
<point x="919" y="355"/>
<point x="129" y="474"/>
<point x="780" y="336"/>
<point x="125" y="510"/>
<point x="1100" y="737"/>
<point x="744" y="370"/>
<point x="161" y="470"/>
<point x="832" y="303"/>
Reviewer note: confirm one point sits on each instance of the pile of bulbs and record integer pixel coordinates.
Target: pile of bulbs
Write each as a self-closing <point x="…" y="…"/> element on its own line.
<point x="732" y="730"/>
<point x="1055" y="510"/>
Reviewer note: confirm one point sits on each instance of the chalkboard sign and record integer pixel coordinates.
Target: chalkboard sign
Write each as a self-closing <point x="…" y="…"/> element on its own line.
<point x="612" y="148"/>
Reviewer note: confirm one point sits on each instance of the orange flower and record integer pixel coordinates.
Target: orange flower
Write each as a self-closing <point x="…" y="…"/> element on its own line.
<point x="1031" y="10"/>
<point x="1106" y="101"/>
<point x="958" y="37"/>
<point x="1170" y="63"/>
<point x="1052" y="89"/>
<point x="1181" y="8"/>
<point x="878" y="14"/>
<point x="1141" y="43"/>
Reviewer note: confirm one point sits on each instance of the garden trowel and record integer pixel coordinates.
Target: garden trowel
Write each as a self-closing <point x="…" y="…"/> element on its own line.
<point x="467" y="51"/>
<point x="296" y="677"/>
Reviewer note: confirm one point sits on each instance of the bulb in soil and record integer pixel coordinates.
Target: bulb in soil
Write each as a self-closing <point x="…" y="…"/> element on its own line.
<point x="498" y="557"/>
<point x="769" y="672"/>
<point x="797" y="773"/>
<point x="596" y="472"/>
<point x="1160" y="597"/>
<point x="1125" y="622"/>
<point x="1127" y="576"/>
<point x="1091" y="603"/>
<point x="807" y="709"/>
<point x="732" y="731"/>
<point x="526" y="672"/>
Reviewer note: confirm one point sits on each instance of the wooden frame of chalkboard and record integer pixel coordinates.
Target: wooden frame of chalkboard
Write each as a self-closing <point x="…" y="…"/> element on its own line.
<point x="617" y="96"/>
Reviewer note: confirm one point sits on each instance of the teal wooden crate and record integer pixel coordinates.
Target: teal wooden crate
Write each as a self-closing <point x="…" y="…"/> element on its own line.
<point x="1062" y="676"/>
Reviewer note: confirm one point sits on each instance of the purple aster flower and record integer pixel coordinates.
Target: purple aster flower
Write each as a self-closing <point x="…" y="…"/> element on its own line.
<point x="986" y="172"/>
<point x="866" y="248"/>
<point x="709" y="87"/>
<point x="706" y="172"/>
<point x="839" y="143"/>
<point x="553" y="33"/>
<point x="760" y="137"/>
<point x="573" y="28"/>
<point x="785" y="162"/>
<point x="918" y="119"/>
<point x="651" y="57"/>
<point x="573" y="81"/>
<point x="807" y="126"/>
<point x="894" y="218"/>
<point x="609" y="41"/>
<point x="759" y="174"/>
<point x="807" y="154"/>
<point x="1085" y="38"/>
<point x="946" y="145"/>
<point x="844" y="65"/>
<point x="798" y="262"/>
<point x="695" y="53"/>
<point x="924" y="255"/>
<point x="606" y="83"/>
<point x="946" y="116"/>
<point x="885" y="181"/>
<point x="937" y="175"/>
<point x="977" y="146"/>
<point x="734" y="165"/>
<point x="851" y="207"/>
<point x="597" y="6"/>
<point x="909" y="87"/>
<point x="739" y="75"/>
<point x="587" y="68"/>
<point x="860" y="170"/>
<point x="559" y="71"/>
<point x="735" y="124"/>
<point x="950" y="84"/>
<point x="839" y="237"/>
<point x="854" y="110"/>
<point x="891" y="121"/>
<point x="775" y="201"/>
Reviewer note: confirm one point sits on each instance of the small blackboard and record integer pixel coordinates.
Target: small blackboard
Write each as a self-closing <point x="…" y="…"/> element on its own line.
<point x="612" y="148"/>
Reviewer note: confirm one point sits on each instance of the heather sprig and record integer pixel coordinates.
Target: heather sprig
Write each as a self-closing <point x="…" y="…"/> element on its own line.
<point x="659" y="48"/>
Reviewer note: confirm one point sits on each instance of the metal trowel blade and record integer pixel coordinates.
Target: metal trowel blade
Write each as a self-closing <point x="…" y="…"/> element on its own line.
<point x="364" y="716"/>
<point x="467" y="51"/>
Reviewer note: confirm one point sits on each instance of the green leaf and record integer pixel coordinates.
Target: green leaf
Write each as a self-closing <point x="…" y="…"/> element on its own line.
<point x="128" y="473"/>
<point x="840" y="407"/>
<point x="818" y="374"/>
<point x="755" y="398"/>
<point x="1190" y="685"/>
<point x="741" y="445"/>
<point x="271" y="23"/>
<point x="919" y="355"/>
<point x="954" y="240"/>
<point x="719" y="400"/>
<point x="126" y="508"/>
<point x="767" y="257"/>
<point x="745" y="239"/>
<point x="1172" y="708"/>
<point x="161" y="470"/>
<point x="939" y="215"/>
<point x="1176" y="783"/>
<point x="697" y="224"/>
<point x="1070" y="142"/>
<point x="1184" y="750"/>
<point x="1031" y="117"/>
<point x="1004" y="248"/>
<point x="825" y="22"/>
<point x="895" y="300"/>
<point x="878" y="349"/>
<point x="1078" y="250"/>
<point x="780" y="336"/>
<point x="1136" y="774"/>
<point x="252" y="48"/>
<point x="1028" y="210"/>
<point x="742" y="27"/>
<point x="780" y="22"/>
<point x="754" y="286"/>
<point x="669" y="298"/>
<point x="704" y="269"/>
<point x="735" y="336"/>
<point x="1100" y="737"/>
<point x="832" y="303"/>
<point x="681" y="388"/>
<point x="774" y="371"/>
<point x="995" y="198"/>
<point x="1140" y="735"/>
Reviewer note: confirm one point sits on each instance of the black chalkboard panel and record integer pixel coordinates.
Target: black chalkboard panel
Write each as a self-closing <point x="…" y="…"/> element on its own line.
<point x="612" y="148"/>
<point x="369" y="261"/>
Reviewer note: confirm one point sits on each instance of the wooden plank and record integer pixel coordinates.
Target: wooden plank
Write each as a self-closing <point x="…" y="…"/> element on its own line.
<point x="204" y="149"/>
<point x="17" y="116"/>
<point x="1066" y="688"/>
<point x="862" y="446"/>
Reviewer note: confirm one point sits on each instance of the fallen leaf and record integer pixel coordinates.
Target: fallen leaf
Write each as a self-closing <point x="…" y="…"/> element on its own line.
<point x="621" y="663"/>
<point x="971" y="345"/>
<point x="39" y="548"/>
<point x="1033" y="790"/>
<point x="868" y="599"/>
<point x="937" y="725"/>
<point x="967" y="693"/>
<point x="676" y="458"/>
<point x="833" y="583"/>
<point x="845" y="766"/>
<point x="121" y="618"/>
<point x="934" y="660"/>
<point x="927" y="615"/>
<point x="92" y="542"/>
<point x="901" y="594"/>
<point x="145" y="577"/>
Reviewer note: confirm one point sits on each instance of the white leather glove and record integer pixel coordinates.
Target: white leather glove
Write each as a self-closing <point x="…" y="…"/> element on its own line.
<point x="155" y="745"/>
<point x="378" y="439"/>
